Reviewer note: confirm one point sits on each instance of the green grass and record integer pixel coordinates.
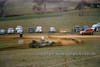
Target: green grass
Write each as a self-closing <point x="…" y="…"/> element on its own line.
<point x="62" y="20"/>
<point x="6" y="41"/>
<point x="28" y="17"/>
<point x="33" y="57"/>
<point x="49" y="56"/>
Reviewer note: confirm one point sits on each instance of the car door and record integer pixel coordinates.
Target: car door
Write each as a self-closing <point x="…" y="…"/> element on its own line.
<point x="87" y="31"/>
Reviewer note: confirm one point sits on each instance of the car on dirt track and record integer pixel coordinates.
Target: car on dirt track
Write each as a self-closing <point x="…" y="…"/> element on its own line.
<point x="10" y="30"/>
<point x="2" y="32"/>
<point x="87" y="31"/>
<point x="36" y="44"/>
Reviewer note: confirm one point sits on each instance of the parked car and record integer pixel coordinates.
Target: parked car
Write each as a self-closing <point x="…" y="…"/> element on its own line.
<point x="98" y="24"/>
<point x="18" y="27"/>
<point x="39" y="29"/>
<point x="87" y="31"/>
<point x="31" y="30"/>
<point x="52" y="29"/>
<point x="85" y="27"/>
<point x="77" y="29"/>
<point x="2" y="32"/>
<point x="10" y="30"/>
<point x="19" y="31"/>
<point x="95" y="27"/>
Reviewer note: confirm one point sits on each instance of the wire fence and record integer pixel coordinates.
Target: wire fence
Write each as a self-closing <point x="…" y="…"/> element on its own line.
<point x="66" y="62"/>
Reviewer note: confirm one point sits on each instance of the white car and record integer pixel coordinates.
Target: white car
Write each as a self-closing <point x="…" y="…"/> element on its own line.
<point x="98" y="24"/>
<point x="18" y="27"/>
<point x="39" y="29"/>
<point x="10" y="30"/>
<point x="2" y="32"/>
<point x="19" y="31"/>
<point x="52" y="29"/>
<point x="95" y="27"/>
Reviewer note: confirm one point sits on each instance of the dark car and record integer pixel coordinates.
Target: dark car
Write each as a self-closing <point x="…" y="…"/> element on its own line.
<point x="85" y="27"/>
<point x="31" y="30"/>
<point x="77" y="29"/>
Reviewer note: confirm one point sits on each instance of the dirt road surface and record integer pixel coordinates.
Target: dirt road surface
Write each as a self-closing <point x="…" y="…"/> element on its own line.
<point x="60" y="40"/>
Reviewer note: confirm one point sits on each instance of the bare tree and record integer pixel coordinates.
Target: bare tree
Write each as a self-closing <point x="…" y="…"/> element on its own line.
<point x="82" y="8"/>
<point x="2" y="7"/>
<point x="39" y="3"/>
<point x="62" y="7"/>
<point x="44" y="2"/>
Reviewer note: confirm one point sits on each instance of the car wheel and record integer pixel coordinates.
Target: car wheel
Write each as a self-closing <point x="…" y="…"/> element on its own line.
<point x="82" y="33"/>
<point x="53" y="44"/>
<point x="36" y="45"/>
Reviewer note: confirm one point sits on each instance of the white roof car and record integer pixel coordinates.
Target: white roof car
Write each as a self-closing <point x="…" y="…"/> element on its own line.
<point x="95" y="25"/>
<point x="38" y="29"/>
<point x="10" y="30"/>
<point x="2" y="32"/>
<point x="98" y="24"/>
<point x="18" y="27"/>
<point x="19" y="31"/>
<point x="52" y="29"/>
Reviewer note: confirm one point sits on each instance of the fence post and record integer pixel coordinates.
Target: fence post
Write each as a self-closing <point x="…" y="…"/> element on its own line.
<point x="66" y="62"/>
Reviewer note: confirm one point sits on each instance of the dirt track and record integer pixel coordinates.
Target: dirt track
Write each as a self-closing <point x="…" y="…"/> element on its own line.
<point x="60" y="40"/>
<point x="53" y="36"/>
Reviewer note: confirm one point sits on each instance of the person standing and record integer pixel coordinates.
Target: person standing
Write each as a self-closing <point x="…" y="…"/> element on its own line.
<point x="21" y="34"/>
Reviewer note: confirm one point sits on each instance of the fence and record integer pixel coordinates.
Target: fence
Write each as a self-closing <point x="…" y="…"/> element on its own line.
<point x="66" y="62"/>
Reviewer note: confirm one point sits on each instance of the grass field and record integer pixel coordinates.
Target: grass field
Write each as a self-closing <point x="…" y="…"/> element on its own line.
<point x="25" y="8"/>
<point x="64" y="20"/>
<point x="85" y="54"/>
<point x="50" y="56"/>
<point x="41" y="57"/>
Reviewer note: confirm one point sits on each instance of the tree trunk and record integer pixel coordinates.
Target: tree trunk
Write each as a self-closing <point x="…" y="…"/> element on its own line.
<point x="45" y="11"/>
<point x="82" y="8"/>
<point x="81" y="13"/>
<point x="2" y="12"/>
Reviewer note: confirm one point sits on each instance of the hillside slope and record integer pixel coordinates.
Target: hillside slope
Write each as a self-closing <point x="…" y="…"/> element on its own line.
<point x="66" y="20"/>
